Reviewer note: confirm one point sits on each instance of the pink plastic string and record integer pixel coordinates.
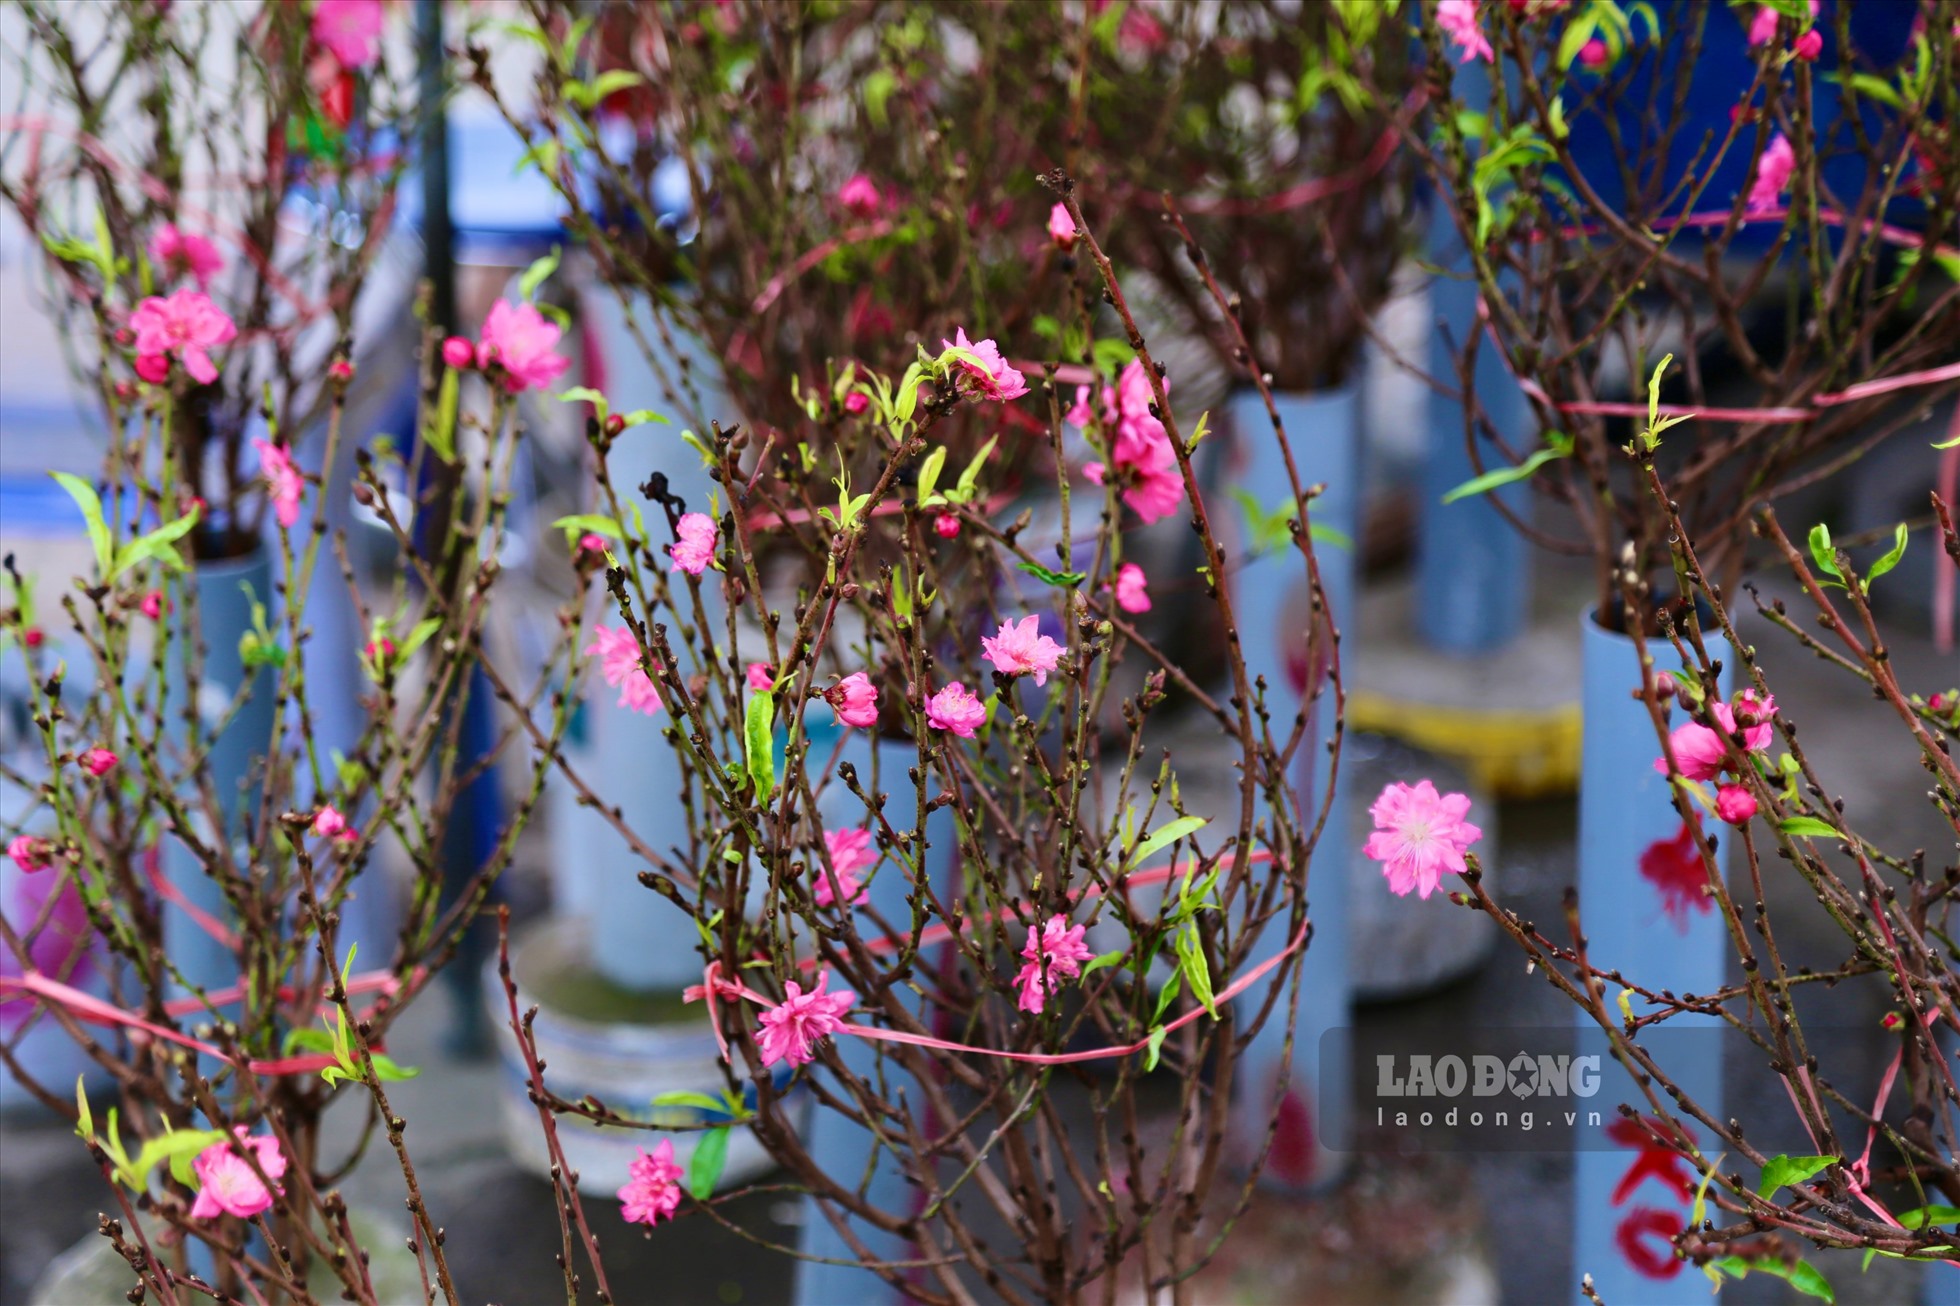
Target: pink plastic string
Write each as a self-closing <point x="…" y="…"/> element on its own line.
<point x="87" y="1007"/>
<point x="1851" y="394"/>
<point x="170" y="893"/>
<point x="715" y="985"/>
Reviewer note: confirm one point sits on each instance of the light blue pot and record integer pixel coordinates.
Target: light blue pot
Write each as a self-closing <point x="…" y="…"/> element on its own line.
<point x="234" y="754"/>
<point x="1644" y="914"/>
<point x="840" y="1148"/>
<point x="1270" y="601"/>
<point x="640" y="940"/>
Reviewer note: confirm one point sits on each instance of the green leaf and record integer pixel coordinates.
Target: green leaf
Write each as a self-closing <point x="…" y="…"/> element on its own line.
<point x="969" y="478"/>
<point x="1107" y="959"/>
<point x="704" y="1167"/>
<point x="386" y="1067"/>
<point x="179" y="1148"/>
<point x="1781" y="1170"/>
<point x="1801" y="1276"/>
<point x="641" y="416"/>
<point x="1154" y="1049"/>
<point x="1921" y="1216"/>
<point x="760" y="742"/>
<point x="1701" y="1194"/>
<point x="90" y="503"/>
<point x="534" y="276"/>
<point x="587" y="523"/>
<point x="1822" y="553"/>
<point x="418" y="635"/>
<point x="181" y="1160"/>
<point x="306" y="1039"/>
<point x="85" y="1119"/>
<point x="683" y="1097"/>
<point x="1066" y="579"/>
<point x="1506" y="475"/>
<point x="878" y="88"/>
<point x="1169" y="834"/>
<point x="1197" y="972"/>
<point x="1167" y="995"/>
<point x="605" y="85"/>
<point x="929" y="476"/>
<point x="440" y="434"/>
<point x="1891" y="558"/>
<point x="585" y="394"/>
<point x="1808" y="825"/>
<point x="1341" y="540"/>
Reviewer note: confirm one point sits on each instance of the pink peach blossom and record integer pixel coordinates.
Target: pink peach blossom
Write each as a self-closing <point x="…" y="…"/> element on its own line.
<point x="1131" y="594"/>
<point x="653" y="1185"/>
<point x="856" y="402"/>
<point x="1594" y="54"/>
<point x="855" y="700"/>
<point x="99" y="761"/>
<point x="1808" y="46"/>
<point x="955" y="708"/>
<point x="227" y="1184"/>
<point x="861" y="197"/>
<point x="946" y="526"/>
<point x="186" y="324"/>
<point x="850" y="851"/>
<point x="1061" y="227"/>
<point x="1460" y="21"/>
<point x="1060" y="948"/>
<point x="1735" y="804"/>
<point x="1019" y="648"/>
<point x="519" y="339"/>
<point x="349" y="30"/>
<point x="791" y="1031"/>
<point x="180" y="254"/>
<point x="1418" y="835"/>
<point x="1762" y="28"/>
<point x="1772" y="176"/>
<point x="283" y="481"/>
<point x="328" y="823"/>
<point x="986" y="373"/>
<point x="29" y="853"/>
<point x="1702" y="753"/>
<point x="458" y="353"/>
<point x="695" y="549"/>
<point x="761" y="679"/>
<point x="592" y="544"/>
<point x="619" y="660"/>
<point x="152" y="605"/>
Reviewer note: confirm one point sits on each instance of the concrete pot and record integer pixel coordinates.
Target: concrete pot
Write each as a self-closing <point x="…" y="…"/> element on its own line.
<point x="622" y="1046"/>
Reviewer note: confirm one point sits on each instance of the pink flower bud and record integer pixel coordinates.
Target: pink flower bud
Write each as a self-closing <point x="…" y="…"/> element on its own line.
<point x="1061" y="227"/>
<point x="458" y="353"/>
<point x="592" y="545"/>
<point x="32" y="637"/>
<point x="1593" y="54"/>
<point x="1664" y="686"/>
<point x="29" y="853"/>
<point x="1808" y="46"/>
<point x="1735" y="804"/>
<point x="152" y="604"/>
<point x="380" y="650"/>
<point x="761" y="679"/>
<point x="856" y="402"/>
<point x="99" y="761"/>
<point x="615" y="424"/>
<point x="946" y="526"/>
<point x="340" y="371"/>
